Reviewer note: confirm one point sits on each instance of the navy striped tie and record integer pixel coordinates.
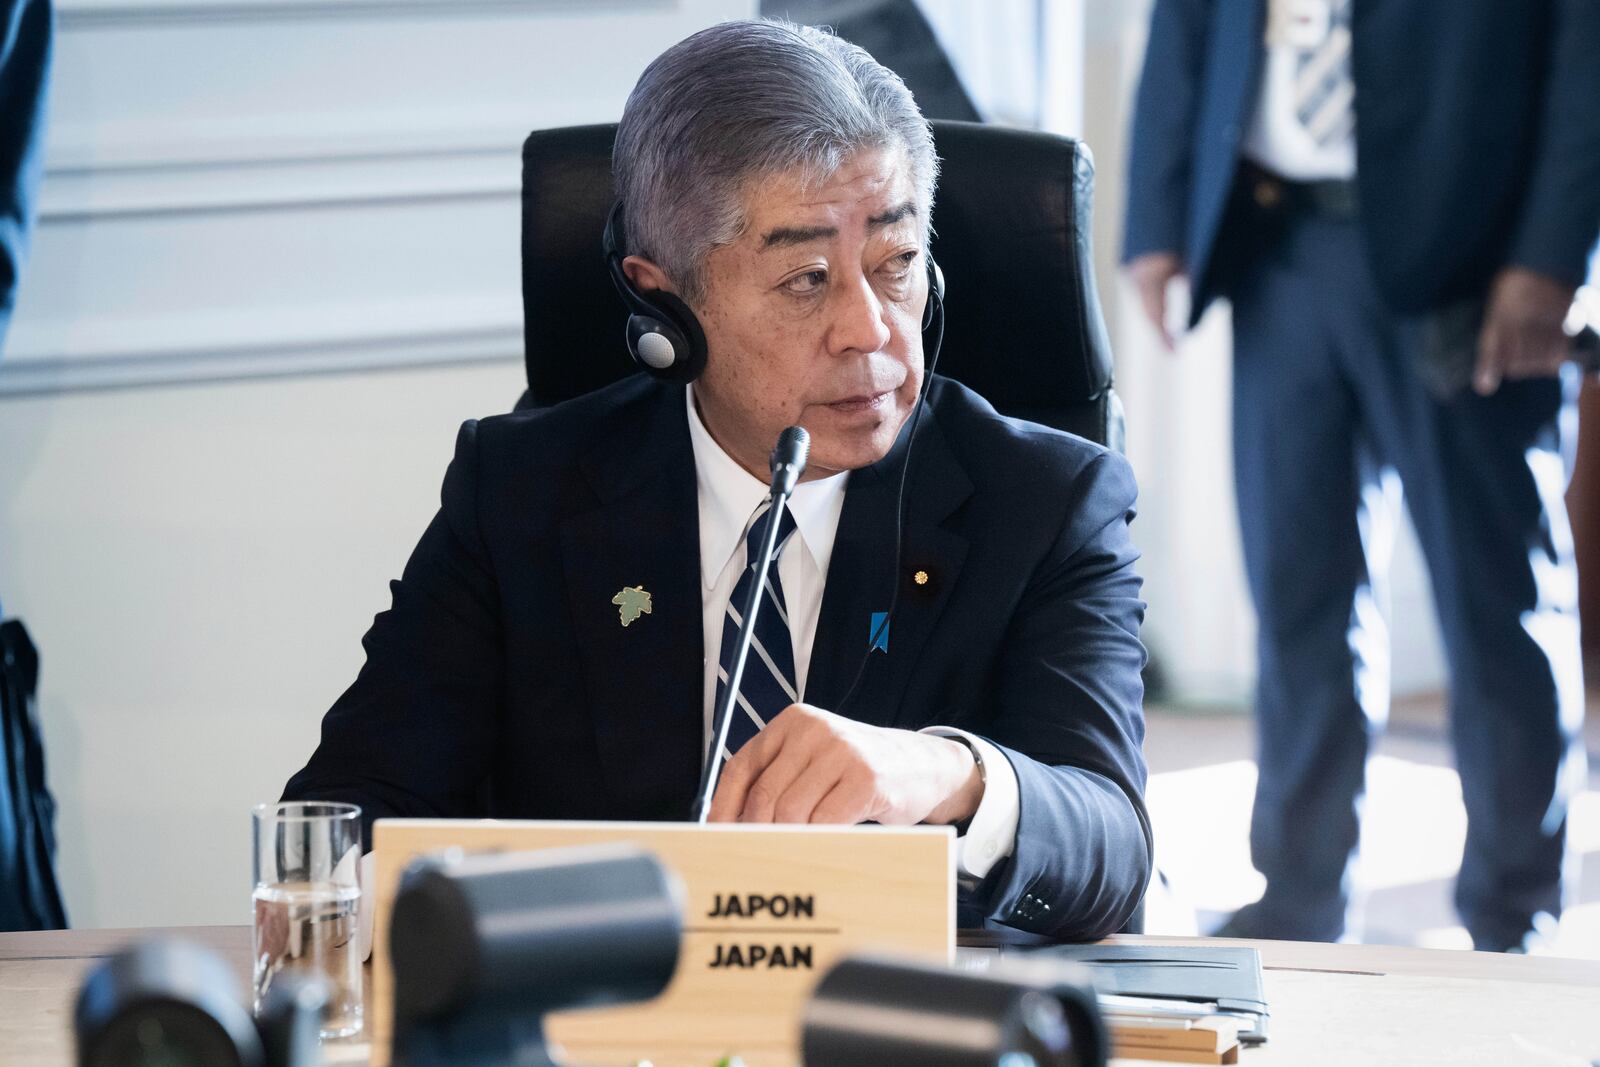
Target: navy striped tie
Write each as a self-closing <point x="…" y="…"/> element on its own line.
<point x="1324" y="87"/>
<point x="768" y="683"/>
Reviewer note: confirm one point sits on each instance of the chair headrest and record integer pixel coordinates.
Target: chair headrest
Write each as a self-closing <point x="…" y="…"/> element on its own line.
<point x="1011" y="223"/>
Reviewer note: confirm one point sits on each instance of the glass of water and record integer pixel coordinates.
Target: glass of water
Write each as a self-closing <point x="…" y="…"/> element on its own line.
<point x="306" y="900"/>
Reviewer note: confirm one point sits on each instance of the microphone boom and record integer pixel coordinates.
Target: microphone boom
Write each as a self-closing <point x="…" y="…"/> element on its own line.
<point x="788" y="464"/>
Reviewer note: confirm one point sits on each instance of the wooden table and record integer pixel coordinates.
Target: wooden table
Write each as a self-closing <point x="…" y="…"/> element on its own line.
<point x="1331" y="1004"/>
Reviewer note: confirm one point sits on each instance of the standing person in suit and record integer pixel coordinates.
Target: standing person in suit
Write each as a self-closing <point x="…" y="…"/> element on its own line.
<point x="560" y="635"/>
<point x="1399" y="199"/>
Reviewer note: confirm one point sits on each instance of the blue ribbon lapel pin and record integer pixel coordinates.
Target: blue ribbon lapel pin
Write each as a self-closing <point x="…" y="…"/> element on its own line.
<point x="878" y="632"/>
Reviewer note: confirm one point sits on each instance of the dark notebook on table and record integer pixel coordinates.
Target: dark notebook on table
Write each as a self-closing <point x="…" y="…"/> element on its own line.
<point x="1143" y="978"/>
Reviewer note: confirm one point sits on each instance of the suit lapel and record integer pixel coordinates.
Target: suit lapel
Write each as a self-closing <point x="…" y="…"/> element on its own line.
<point x="645" y="678"/>
<point x="860" y="581"/>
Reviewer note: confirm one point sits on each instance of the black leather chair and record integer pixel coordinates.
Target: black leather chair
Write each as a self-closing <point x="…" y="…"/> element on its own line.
<point x="1022" y="325"/>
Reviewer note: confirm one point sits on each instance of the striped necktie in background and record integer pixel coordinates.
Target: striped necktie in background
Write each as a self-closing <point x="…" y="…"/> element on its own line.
<point x="768" y="683"/>
<point x="1324" y="89"/>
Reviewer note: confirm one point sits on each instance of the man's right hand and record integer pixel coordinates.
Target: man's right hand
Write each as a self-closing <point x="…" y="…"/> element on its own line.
<point x="1150" y="273"/>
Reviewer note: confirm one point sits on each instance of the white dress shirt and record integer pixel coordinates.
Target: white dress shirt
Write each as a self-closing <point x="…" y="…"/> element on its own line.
<point x="1276" y="139"/>
<point x="728" y="497"/>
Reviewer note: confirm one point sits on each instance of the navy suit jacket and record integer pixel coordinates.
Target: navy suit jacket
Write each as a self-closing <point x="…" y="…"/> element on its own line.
<point x="501" y="681"/>
<point x="1477" y="135"/>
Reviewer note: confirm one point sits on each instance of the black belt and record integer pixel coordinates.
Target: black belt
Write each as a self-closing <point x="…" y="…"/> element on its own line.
<point x="1332" y="199"/>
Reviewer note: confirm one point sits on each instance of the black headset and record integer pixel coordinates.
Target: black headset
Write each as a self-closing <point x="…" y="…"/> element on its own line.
<point x="665" y="338"/>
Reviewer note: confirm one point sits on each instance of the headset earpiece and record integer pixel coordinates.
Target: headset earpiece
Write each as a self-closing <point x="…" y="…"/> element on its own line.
<point x="663" y="335"/>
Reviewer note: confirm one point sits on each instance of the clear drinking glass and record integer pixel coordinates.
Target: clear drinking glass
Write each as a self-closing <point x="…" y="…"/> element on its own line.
<point x="306" y="900"/>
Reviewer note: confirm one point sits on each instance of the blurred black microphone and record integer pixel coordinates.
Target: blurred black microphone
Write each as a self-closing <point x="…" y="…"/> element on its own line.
<point x="484" y="946"/>
<point x="161" y="1003"/>
<point x="899" y="1013"/>
<point x="788" y="464"/>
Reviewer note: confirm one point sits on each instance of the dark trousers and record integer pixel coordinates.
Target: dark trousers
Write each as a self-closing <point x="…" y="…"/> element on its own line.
<point x="1327" y="410"/>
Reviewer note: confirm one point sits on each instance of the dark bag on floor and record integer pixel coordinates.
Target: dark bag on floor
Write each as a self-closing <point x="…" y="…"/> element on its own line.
<point x="29" y="896"/>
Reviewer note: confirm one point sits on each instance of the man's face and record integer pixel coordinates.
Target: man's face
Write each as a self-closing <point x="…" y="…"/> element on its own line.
<point x="813" y="317"/>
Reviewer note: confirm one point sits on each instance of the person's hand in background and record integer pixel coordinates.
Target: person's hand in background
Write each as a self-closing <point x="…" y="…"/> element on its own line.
<point x="1523" y="335"/>
<point x="1151" y="273"/>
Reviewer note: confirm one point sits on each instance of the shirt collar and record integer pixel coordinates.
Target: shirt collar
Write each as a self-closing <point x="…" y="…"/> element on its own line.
<point x="729" y="495"/>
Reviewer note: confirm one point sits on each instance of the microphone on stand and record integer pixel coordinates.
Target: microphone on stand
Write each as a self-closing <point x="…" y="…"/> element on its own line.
<point x="788" y="463"/>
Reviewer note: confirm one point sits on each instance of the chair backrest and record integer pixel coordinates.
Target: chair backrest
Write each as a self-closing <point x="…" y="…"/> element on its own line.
<point x="1022" y="324"/>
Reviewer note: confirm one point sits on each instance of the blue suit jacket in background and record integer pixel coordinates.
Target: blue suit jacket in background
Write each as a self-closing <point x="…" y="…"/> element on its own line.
<point x="25" y="41"/>
<point x="1477" y="136"/>
<point x="502" y="682"/>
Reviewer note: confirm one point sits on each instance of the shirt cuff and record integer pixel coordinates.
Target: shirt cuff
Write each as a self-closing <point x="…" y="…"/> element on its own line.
<point x="992" y="833"/>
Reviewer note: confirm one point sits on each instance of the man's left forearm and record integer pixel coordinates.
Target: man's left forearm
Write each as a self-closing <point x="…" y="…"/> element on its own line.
<point x="1082" y="857"/>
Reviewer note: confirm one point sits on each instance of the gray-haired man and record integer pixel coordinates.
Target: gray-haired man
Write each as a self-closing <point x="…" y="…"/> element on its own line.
<point x="779" y="183"/>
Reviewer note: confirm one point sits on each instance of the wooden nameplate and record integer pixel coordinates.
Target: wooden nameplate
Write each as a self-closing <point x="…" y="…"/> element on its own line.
<point x="767" y="911"/>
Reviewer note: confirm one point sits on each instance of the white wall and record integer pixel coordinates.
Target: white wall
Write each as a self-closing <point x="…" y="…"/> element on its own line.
<point x="239" y="188"/>
<point x="197" y="565"/>
<point x="1021" y="61"/>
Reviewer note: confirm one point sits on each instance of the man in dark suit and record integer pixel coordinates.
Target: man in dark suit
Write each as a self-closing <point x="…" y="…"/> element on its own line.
<point x="564" y="628"/>
<point x="1399" y="199"/>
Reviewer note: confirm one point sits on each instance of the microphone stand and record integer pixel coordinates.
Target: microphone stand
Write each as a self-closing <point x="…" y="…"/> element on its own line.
<point x="788" y="461"/>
